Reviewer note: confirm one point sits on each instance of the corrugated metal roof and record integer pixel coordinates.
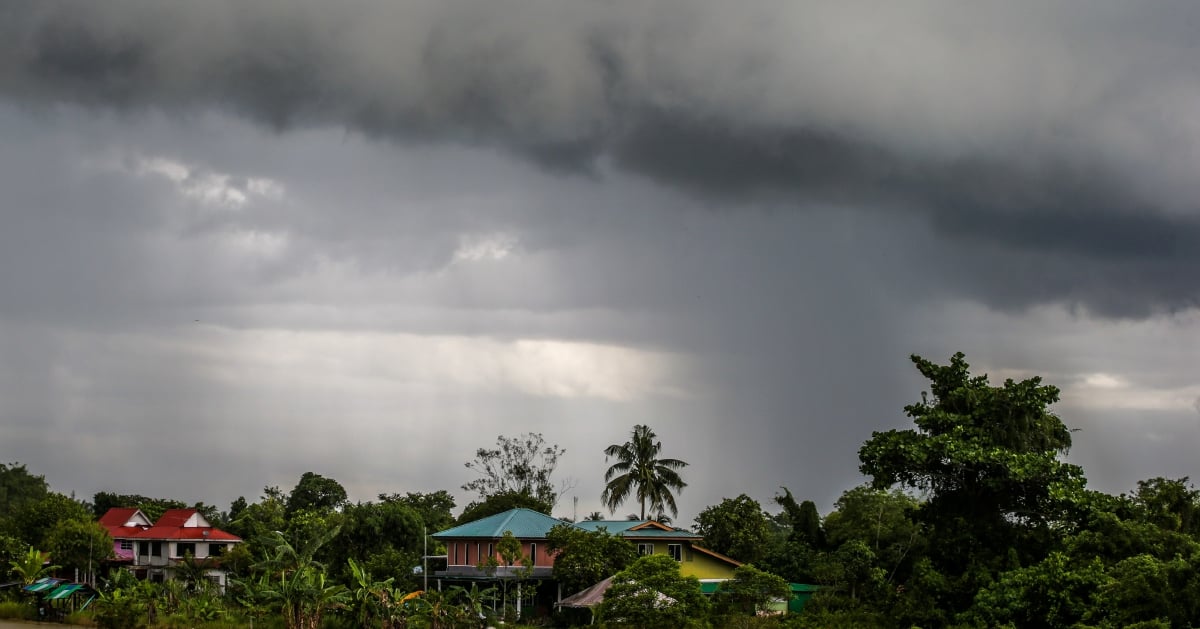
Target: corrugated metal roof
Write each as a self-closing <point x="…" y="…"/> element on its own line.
<point x="117" y="517"/>
<point x="612" y="526"/>
<point x="524" y="523"/>
<point x="188" y="534"/>
<point x="43" y="584"/>
<point x="635" y="529"/>
<point x="175" y="518"/>
<point x="590" y="597"/>
<point x="64" y="591"/>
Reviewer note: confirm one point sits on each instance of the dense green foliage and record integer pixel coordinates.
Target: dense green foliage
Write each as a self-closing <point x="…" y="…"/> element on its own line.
<point x="587" y="557"/>
<point x="18" y="487"/>
<point x="751" y="591"/>
<point x="971" y="519"/>
<point x="736" y="527"/>
<point x="316" y="493"/>
<point x="501" y="503"/>
<point x="652" y="593"/>
<point x="79" y="544"/>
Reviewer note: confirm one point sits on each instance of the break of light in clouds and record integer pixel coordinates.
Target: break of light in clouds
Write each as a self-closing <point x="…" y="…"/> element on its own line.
<point x="244" y="240"/>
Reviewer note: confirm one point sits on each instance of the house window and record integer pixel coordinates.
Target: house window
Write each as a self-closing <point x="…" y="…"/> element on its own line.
<point x="216" y="550"/>
<point x="675" y="551"/>
<point x="645" y="549"/>
<point x="185" y="548"/>
<point x="478" y="556"/>
<point x="156" y="549"/>
<point x="532" y="554"/>
<point x="126" y="544"/>
<point x="456" y="555"/>
<point x="491" y="553"/>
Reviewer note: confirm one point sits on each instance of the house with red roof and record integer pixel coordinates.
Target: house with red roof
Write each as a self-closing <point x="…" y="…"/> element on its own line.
<point x="153" y="550"/>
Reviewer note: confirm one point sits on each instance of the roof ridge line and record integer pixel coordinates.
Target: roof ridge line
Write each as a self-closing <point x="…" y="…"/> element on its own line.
<point x="504" y="525"/>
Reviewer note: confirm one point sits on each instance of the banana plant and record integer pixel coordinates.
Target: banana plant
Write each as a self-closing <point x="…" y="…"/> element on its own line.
<point x="370" y="597"/>
<point x="30" y="566"/>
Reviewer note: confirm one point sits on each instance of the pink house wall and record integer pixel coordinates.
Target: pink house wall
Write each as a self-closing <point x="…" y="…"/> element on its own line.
<point x="467" y="553"/>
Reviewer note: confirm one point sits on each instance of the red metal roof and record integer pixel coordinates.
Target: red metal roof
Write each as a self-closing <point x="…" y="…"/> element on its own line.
<point x="175" y="517"/>
<point x="187" y="533"/>
<point x="117" y="516"/>
<point x="115" y="519"/>
<point x="169" y="527"/>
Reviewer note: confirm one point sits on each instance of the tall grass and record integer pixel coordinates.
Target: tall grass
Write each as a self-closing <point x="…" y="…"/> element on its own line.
<point x="14" y="610"/>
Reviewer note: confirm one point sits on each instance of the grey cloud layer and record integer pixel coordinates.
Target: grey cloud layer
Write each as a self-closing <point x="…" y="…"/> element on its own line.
<point x="1056" y="132"/>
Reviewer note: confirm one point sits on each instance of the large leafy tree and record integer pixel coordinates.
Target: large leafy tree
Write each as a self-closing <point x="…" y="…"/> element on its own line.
<point x="433" y="508"/>
<point x="640" y="472"/>
<point x="80" y="544"/>
<point x="1173" y="505"/>
<point x="260" y="519"/>
<point x="882" y="520"/>
<point x="801" y="519"/>
<point x="652" y="593"/>
<point x="585" y="558"/>
<point x="102" y="501"/>
<point x="18" y="487"/>
<point x="523" y="464"/>
<point x="751" y="591"/>
<point x="384" y="536"/>
<point x="500" y="503"/>
<point x="736" y="527"/>
<point x="316" y="493"/>
<point x="987" y="457"/>
<point x="33" y="522"/>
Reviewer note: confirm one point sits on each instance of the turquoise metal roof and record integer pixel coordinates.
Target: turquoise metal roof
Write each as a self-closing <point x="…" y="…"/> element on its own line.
<point x="612" y="526"/>
<point x="43" y="584"/>
<point x="63" y="591"/>
<point x="524" y="523"/>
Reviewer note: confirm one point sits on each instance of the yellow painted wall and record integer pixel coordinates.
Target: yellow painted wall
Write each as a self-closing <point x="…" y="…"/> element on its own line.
<point x="696" y="564"/>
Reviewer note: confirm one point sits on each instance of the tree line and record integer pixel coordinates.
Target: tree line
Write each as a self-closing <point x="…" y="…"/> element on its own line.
<point x="969" y="518"/>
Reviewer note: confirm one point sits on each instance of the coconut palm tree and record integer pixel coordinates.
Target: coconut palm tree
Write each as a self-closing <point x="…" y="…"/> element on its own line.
<point x="640" y="472"/>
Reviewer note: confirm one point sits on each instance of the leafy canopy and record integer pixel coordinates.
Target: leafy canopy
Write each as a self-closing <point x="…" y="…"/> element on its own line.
<point x="987" y="457"/>
<point x="652" y="593"/>
<point x="736" y="527"/>
<point x="585" y="558"/>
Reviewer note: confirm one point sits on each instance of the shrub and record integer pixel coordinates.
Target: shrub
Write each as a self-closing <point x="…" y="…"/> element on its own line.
<point x="81" y="619"/>
<point x="16" y="610"/>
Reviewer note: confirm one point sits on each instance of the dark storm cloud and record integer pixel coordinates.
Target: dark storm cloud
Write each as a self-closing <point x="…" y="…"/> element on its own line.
<point x="997" y="154"/>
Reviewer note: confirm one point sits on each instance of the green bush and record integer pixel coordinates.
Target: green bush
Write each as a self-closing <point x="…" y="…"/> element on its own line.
<point x="17" y="610"/>
<point x="81" y="619"/>
<point x="119" y="610"/>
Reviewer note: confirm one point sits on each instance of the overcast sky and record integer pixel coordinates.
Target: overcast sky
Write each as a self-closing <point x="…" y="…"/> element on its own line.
<point x="244" y="240"/>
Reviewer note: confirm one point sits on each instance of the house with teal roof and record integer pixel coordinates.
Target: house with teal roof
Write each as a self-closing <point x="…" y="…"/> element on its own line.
<point x="470" y="546"/>
<point x="472" y="552"/>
